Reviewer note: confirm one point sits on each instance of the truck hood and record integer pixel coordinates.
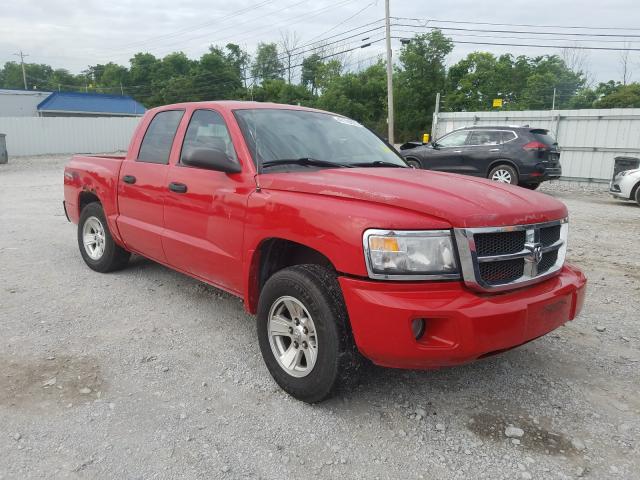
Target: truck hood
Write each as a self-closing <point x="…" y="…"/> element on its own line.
<point x="458" y="200"/>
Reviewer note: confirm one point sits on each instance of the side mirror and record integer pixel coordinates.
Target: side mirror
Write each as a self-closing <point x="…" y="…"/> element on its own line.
<point x="211" y="159"/>
<point x="435" y="145"/>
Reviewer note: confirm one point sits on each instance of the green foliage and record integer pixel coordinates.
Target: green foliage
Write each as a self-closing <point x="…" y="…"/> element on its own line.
<point x="625" y="96"/>
<point x="420" y="73"/>
<point x="361" y="96"/>
<point x="267" y="64"/>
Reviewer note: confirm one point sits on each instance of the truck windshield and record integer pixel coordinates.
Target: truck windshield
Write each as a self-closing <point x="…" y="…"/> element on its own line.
<point x="282" y="138"/>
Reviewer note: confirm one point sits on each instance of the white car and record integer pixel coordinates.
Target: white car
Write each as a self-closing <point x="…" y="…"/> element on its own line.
<point x="626" y="185"/>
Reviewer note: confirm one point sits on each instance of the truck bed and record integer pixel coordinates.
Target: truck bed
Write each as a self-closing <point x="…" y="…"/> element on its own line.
<point x="86" y="176"/>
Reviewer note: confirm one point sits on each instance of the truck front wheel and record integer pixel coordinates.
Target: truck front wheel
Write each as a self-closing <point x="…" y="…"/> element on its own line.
<point x="96" y="244"/>
<point x="304" y="334"/>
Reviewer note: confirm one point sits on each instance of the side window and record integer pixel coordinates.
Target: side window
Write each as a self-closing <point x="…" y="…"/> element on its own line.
<point x="157" y="141"/>
<point x="484" y="137"/>
<point x="207" y="129"/>
<point x="455" y="139"/>
<point x="508" y="136"/>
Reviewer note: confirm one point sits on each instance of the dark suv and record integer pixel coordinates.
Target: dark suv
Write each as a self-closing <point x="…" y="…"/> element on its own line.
<point x="519" y="155"/>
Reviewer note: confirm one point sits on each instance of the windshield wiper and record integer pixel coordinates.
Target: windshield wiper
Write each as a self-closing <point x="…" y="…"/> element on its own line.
<point x="378" y="163"/>
<point x="307" y="161"/>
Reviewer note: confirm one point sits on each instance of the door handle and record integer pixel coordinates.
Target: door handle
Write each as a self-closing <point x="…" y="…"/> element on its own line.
<point x="178" y="187"/>
<point x="129" y="179"/>
<point x="494" y="150"/>
<point x="457" y="151"/>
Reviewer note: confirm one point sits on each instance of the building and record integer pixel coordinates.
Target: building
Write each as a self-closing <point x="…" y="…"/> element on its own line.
<point x="33" y="103"/>
<point x="79" y="104"/>
<point x="20" y="103"/>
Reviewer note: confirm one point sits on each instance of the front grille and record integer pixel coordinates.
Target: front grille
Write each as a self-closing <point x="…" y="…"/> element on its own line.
<point x="499" y="273"/>
<point x="549" y="235"/>
<point x="500" y="243"/>
<point x="506" y="257"/>
<point x="549" y="259"/>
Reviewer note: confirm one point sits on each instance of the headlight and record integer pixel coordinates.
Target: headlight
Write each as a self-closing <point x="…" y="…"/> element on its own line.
<point x="410" y="255"/>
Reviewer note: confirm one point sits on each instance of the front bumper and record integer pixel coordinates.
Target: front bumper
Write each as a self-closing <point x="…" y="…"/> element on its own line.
<point x="461" y="325"/>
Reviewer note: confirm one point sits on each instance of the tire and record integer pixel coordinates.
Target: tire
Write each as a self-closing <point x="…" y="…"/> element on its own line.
<point x="336" y="361"/>
<point x="505" y="172"/>
<point x="103" y="254"/>
<point x="413" y="163"/>
<point x="530" y="186"/>
<point x="638" y="194"/>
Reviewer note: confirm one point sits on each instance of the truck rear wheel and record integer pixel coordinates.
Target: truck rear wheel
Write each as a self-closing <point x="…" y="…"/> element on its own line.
<point x="304" y="333"/>
<point x="97" y="247"/>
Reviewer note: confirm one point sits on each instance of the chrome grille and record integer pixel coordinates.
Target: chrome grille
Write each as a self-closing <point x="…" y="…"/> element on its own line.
<point x="500" y="242"/>
<point x="499" y="273"/>
<point x="501" y="258"/>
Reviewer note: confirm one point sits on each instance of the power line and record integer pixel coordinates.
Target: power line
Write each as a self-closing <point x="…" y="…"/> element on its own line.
<point x="344" y="21"/>
<point x="460" y="29"/>
<point x="530" y="38"/>
<point x="425" y="21"/>
<point x="192" y="28"/>
<point x="577" y="47"/>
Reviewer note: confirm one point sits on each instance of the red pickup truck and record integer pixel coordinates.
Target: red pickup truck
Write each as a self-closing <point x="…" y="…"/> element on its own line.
<point x="341" y="250"/>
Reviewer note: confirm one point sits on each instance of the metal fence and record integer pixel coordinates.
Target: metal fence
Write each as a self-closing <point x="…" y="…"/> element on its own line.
<point x="49" y="135"/>
<point x="589" y="139"/>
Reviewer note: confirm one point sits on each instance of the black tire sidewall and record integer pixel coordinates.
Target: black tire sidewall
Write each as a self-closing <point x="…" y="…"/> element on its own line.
<point x="413" y="163"/>
<point x="112" y="251"/>
<point x="297" y="283"/>
<point x="512" y="171"/>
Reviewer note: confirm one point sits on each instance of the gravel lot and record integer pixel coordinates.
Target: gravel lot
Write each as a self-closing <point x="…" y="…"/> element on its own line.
<point x="146" y="373"/>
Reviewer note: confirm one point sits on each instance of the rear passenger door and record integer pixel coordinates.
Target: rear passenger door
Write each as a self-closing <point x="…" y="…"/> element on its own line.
<point x="142" y="187"/>
<point x="483" y="148"/>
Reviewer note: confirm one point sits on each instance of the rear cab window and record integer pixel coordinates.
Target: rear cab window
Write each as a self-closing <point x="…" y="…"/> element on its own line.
<point x="158" y="139"/>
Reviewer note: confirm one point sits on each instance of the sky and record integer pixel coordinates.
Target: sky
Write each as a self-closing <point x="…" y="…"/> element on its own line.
<point x="73" y="34"/>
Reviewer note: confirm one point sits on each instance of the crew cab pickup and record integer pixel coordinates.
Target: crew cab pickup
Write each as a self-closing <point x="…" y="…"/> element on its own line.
<point x="342" y="251"/>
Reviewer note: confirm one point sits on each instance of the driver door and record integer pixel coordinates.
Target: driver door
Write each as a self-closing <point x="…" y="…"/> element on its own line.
<point x="204" y="209"/>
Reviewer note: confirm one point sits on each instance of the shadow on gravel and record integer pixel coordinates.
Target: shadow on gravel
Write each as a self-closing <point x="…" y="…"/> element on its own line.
<point x="536" y="438"/>
<point x="49" y="382"/>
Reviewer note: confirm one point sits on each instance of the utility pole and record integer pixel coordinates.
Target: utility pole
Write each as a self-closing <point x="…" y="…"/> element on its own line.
<point x="390" y="138"/>
<point x="553" y="102"/>
<point x="434" y="123"/>
<point x="24" y="73"/>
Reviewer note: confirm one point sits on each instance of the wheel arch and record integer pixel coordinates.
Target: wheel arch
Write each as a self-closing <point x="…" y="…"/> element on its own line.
<point x="634" y="190"/>
<point x="274" y="254"/>
<point x="85" y="197"/>
<point x="413" y="158"/>
<point x="501" y="161"/>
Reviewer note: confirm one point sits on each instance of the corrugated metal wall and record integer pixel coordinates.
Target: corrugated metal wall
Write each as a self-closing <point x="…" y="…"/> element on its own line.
<point x="49" y="135"/>
<point x="589" y="139"/>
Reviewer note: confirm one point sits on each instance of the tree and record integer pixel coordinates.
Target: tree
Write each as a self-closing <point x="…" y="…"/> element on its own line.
<point x="361" y="96"/>
<point x="421" y="75"/>
<point x="310" y="75"/>
<point x="626" y="96"/>
<point x="267" y="65"/>
<point x="289" y="42"/>
<point x="240" y="60"/>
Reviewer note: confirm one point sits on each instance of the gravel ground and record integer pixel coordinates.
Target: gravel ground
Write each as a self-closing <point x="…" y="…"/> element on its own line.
<point x="146" y="373"/>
